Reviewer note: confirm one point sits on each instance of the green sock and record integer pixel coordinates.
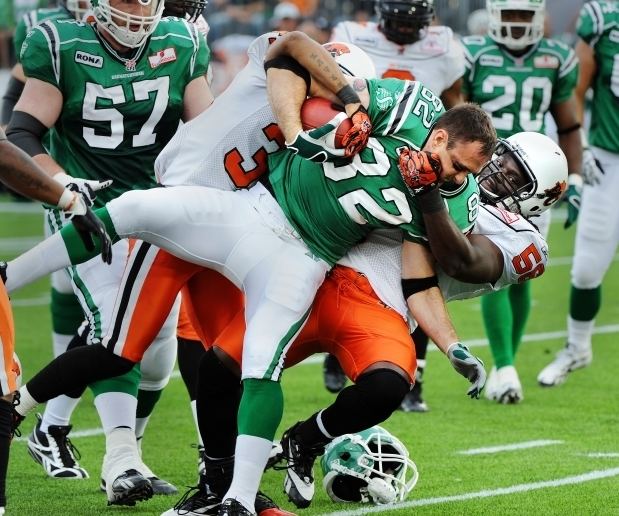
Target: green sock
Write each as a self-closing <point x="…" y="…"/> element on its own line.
<point x="520" y="300"/>
<point x="146" y="402"/>
<point x="127" y="383"/>
<point x="67" y="313"/>
<point x="585" y="303"/>
<point x="261" y="408"/>
<point x="498" y="321"/>
<point x="74" y="244"/>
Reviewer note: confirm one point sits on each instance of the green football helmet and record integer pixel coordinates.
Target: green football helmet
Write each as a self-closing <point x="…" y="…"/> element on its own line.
<point x="370" y="466"/>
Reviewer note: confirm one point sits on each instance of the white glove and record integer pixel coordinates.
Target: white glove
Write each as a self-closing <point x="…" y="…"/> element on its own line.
<point x="469" y="366"/>
<point x="592" y="170"/>
<point x="72" y="203"/>
<point x="87" y="187"/>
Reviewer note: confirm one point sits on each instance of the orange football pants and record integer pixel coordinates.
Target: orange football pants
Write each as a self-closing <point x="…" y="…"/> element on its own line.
<point x="8" y="368"/>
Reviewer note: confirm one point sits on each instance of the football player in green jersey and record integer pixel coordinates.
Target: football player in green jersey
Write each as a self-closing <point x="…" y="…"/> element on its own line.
<point x="597" y="233"/>
<point x="115" y="93"/>
<point x="517" y="76"/>
<point x="19" y="172"/>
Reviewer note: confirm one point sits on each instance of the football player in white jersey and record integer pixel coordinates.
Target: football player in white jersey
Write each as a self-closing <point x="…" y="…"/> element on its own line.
<point x="403" y="44"/>
<point x="360" y="313"/>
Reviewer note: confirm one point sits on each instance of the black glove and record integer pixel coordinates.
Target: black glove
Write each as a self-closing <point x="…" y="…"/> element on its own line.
<point x="88" y="225"/>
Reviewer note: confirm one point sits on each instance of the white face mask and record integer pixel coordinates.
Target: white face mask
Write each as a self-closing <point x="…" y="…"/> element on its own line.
<point x="128" y="29"/>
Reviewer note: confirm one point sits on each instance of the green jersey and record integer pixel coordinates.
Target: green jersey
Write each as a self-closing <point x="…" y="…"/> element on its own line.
<point x="598" y="26"/>
<point x="33" y="18"/>
<point x="118" y="111"/>
<point x="333" y="207"/>
<point x="518" y="91"/>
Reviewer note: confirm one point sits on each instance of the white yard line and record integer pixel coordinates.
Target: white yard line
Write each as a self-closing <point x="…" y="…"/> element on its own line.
<point x="486" y="493"/>
<point x="88" y="432"/>
<point x="602" y="455"/>
<point x="509" y="447"/>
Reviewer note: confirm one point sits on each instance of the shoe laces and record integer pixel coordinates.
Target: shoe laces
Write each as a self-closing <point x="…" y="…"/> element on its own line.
<point x="68" y="452"/>
<point x="17" y="418"/>
<point x="195" y="498"/>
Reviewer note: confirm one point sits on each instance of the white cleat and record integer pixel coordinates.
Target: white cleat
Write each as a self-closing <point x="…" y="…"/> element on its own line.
<point x="508" y="387"/>
<point x="568" y="359"/>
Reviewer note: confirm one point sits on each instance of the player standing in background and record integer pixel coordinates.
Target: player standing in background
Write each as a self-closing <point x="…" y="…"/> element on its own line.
<point x="597" y="233"/>
<point x="23" y="175"/>
<point x="138" y="77"/>
<point x="517" y="75"/>
<point x="404" y="45"/>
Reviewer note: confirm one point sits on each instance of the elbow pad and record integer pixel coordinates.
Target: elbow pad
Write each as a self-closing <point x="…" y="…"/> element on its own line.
<point x="10" y="98"/>
<point x="26" y="132"/>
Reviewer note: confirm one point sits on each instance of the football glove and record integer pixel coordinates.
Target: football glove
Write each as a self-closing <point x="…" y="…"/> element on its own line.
<point x="355" y="140"/>
<point x="420" y="170"/>
<point x="572" y="198"/>
<point x="469" y="366"/>
<point x="592" y="170"/>
<point x="89" y="225"/>
<point x="87" y="187"/>
<point x="318" y="144"/>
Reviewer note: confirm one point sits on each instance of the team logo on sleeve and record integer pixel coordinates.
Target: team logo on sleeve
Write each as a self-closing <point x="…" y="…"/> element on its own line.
<point x="384" y="100"/>
<point x="88" y="59"/>
<point x="166" y="55"/>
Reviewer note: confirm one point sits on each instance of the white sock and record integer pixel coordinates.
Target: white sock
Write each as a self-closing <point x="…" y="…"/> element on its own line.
<point x="58" y="411"/>
<point x="116" y="409"/>
<point x="140" y="426"/>
<point x="60" y="342"/>
<point x="194" y="411"/>
<point x="121" y="453"/>
<point x="251" y="456"/>
<point x="26" y="402"/>
<point x="48" y="256"/>
<point x="579" y="333"/>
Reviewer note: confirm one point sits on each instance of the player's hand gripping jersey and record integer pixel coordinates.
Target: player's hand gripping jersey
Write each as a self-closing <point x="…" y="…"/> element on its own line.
<point x="118" y="113"/>
<point x="598" y="26"/>
<point x="436" y="60"/>
<point x="518" y="91"/>
<point x="227" y="145"/>
<point x="333" y="207"/>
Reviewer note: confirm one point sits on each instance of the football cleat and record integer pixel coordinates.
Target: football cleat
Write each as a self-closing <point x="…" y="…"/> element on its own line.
<point x="55" y="451"/>
<point x="508" y="388"/>
<point x="491" y="385"/>
<point x="265" y="506"/>
<point x="160" y="486"/>
<point x="201" y="461"/>
<point x="413" y="402"/>
<point x="3" y="267"/>
<point x="275" y="457"/>
<point x="232" y="507"/>
<point x="333" y="374"/>
<point x="299" y="481"/>
<point x="567" y="360"/>
<point x="128" y="488"/>
<point x="197" y="501"/>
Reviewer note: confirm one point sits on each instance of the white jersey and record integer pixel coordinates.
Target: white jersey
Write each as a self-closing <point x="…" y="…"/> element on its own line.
<point x="524" y="250"/>
<point x="437" y="60"/>
<point x="525" y="253"/>
<point x="226" y="146"/>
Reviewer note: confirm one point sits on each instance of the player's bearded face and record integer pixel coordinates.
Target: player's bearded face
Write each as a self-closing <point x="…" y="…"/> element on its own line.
<point x="457" y="161"/>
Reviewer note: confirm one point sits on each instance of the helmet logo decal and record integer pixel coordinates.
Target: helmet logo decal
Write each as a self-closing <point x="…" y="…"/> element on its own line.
<point x="337" y="49"/>
<point x="551" y="195"/>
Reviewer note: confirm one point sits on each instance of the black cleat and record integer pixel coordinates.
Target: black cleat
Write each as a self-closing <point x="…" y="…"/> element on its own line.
<point x="413" y="402"/>
<point x="128" y="488"/>
<point x="333" y="374"/>
<point x="197" y="501"/>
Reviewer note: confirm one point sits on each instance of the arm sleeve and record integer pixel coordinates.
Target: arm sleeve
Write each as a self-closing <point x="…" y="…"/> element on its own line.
<point x="40" y="54"/>
<point x="590" y="25"/>
<point x="201" y="56"/>
<point x="567" y="77"/>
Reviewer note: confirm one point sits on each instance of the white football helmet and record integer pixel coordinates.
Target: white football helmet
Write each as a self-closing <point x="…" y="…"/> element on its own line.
<point x="502" y="31"/>
<point x="78" y="8"/>
<point x="542" y="179"/>
<point x="370" y="466"/>
<point x="352" y="60"/>
<point x="127" y="29"/>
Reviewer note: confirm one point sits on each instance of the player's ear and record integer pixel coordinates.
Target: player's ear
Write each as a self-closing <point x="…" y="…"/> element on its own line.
<point x="438" y="140"/>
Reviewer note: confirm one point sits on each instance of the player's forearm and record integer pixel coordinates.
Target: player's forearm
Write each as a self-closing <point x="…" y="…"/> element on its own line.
<point x="571" y="145"/>
<point x="22" y="174"/>
<point x="428" y="309"/>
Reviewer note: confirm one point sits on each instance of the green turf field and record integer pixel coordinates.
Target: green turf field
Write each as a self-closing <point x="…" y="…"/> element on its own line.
<point x="574" y="470"/>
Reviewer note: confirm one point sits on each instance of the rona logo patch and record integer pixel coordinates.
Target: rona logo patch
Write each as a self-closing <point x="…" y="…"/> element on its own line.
<point x="88" y="59"/>
<point x="163" y="56"/>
